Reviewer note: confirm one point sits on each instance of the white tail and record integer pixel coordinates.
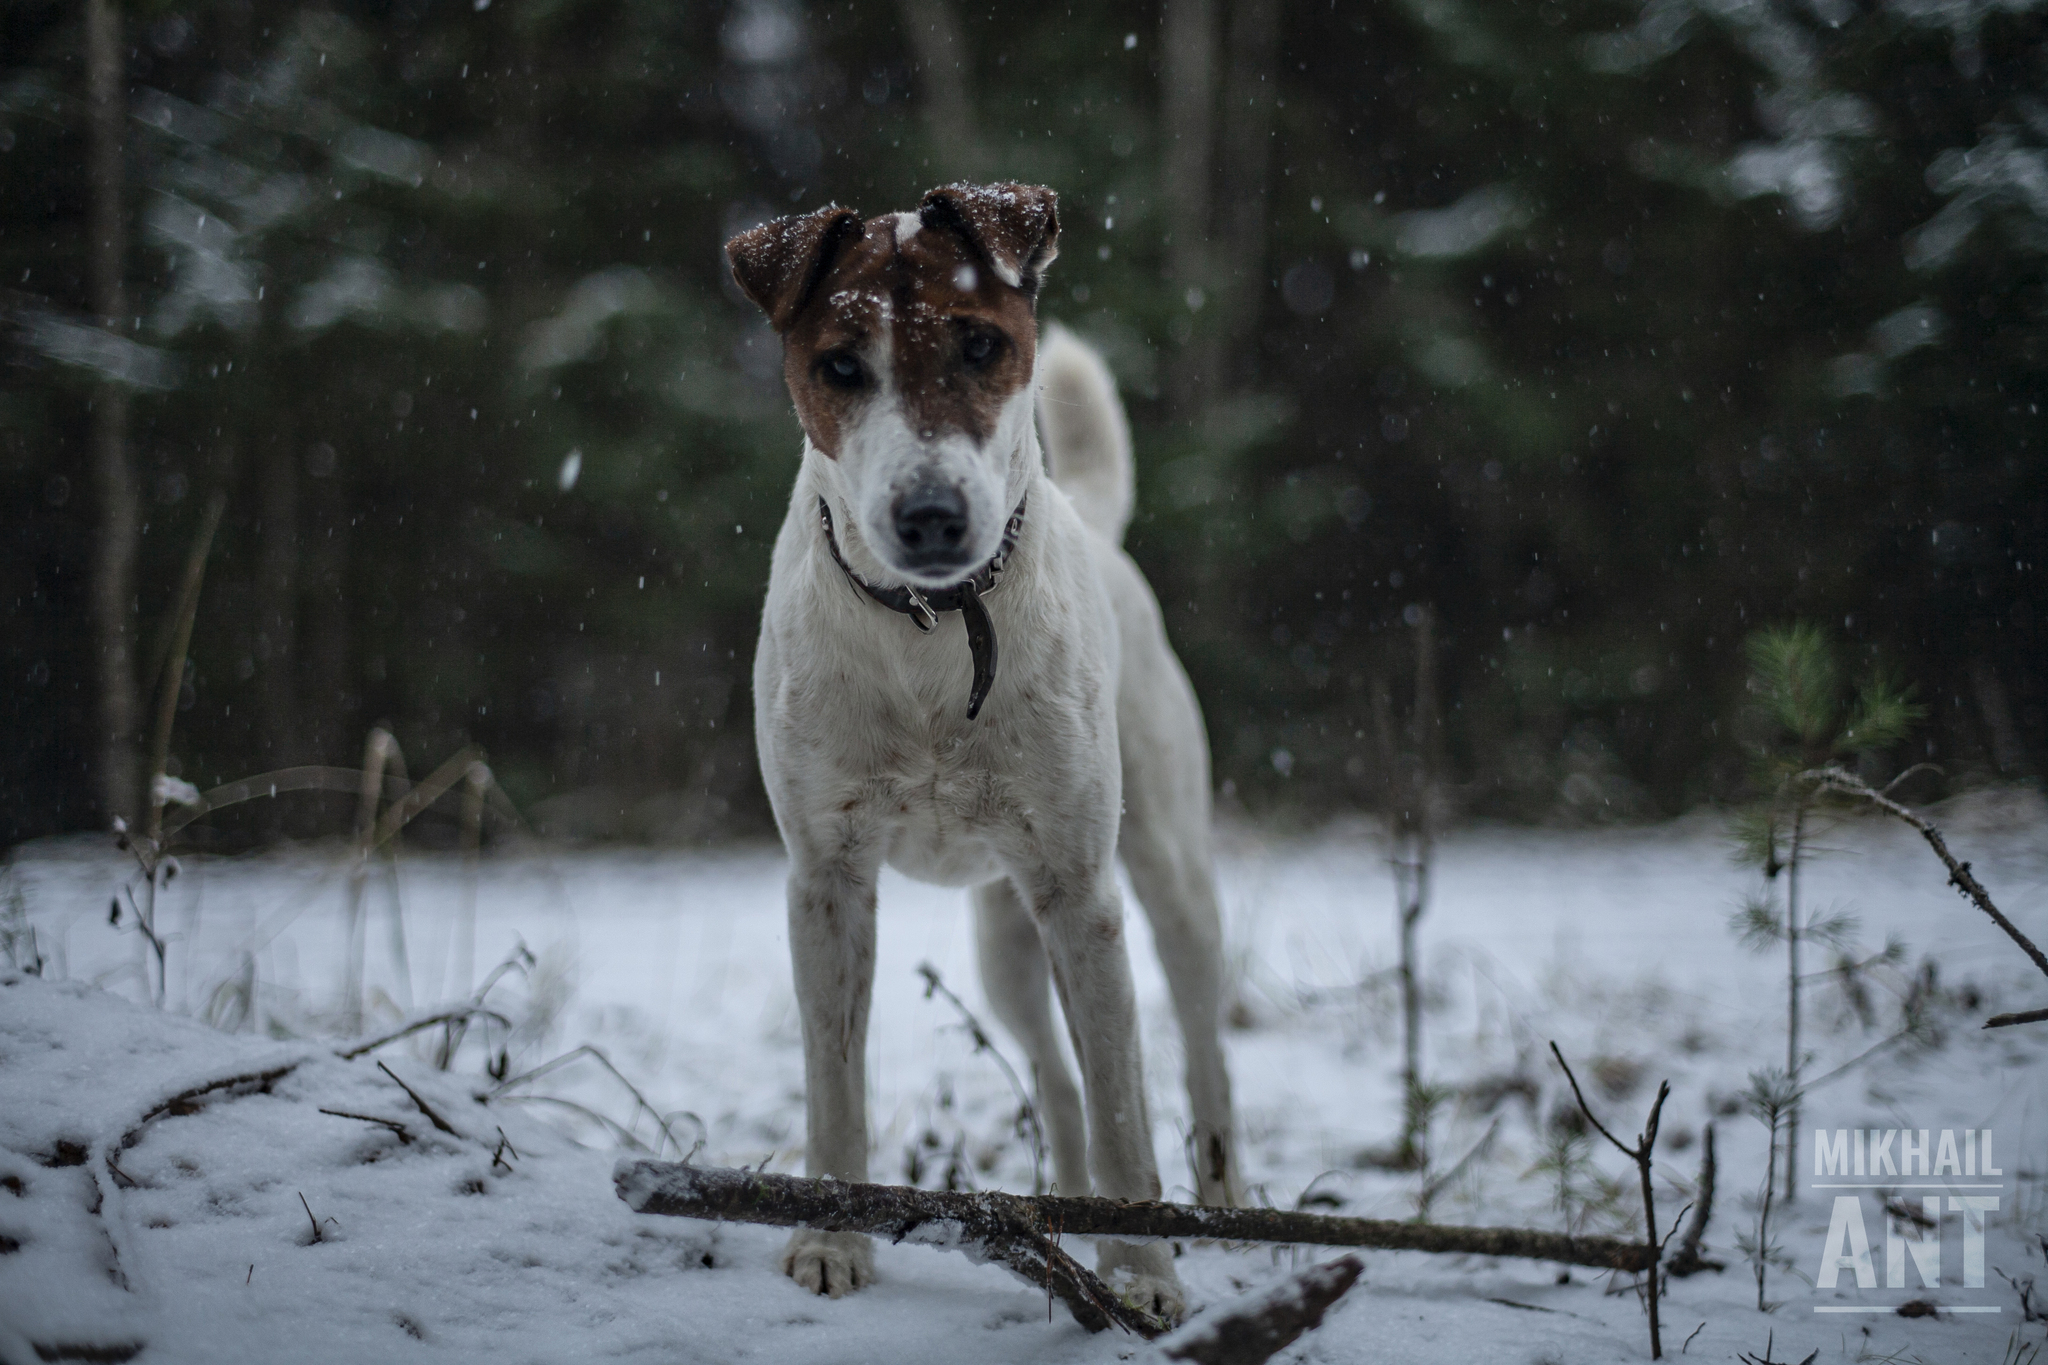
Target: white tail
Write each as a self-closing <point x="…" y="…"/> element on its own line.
<point x="1087" y="437"/>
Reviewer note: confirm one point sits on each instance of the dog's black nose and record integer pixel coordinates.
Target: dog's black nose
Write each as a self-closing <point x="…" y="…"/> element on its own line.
<point x="931" y="525"/>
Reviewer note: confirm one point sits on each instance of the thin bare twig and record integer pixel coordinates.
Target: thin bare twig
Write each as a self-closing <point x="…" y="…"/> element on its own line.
<point x="982" y="1043"/>
<point x="424" y="1107"/>
<point x="1646" y="1143"/>
<point x="2023" y="1017"/>
<point x="1959" y="874"/>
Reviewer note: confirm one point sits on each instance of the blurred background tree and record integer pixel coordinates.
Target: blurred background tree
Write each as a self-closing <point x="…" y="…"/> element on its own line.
<point x="1605" y="333"/>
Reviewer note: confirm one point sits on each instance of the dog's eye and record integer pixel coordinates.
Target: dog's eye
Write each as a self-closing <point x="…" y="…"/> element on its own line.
<point x="978" y="350"/>
<point x="841" y="371"/>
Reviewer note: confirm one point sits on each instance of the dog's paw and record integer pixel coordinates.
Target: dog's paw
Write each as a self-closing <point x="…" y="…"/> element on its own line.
<point x="830" y="1263"/>
<point x="1142" y="1276"/>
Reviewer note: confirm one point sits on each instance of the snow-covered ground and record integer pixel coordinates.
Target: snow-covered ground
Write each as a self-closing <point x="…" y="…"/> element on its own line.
<point x="194" y="1241"/>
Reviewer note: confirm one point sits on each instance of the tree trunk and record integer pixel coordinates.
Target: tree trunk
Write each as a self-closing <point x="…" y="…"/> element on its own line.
<point x="1247" y="154"/>
<point x="113" y="558"/>
<point x="1187" y="117"/>
<point x="332" y="697"/>
<point x="277" y="603"/>
<point x="943" y="66"/>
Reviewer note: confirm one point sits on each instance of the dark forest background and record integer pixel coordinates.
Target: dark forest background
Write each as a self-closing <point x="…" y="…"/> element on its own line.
<point x="1597" y="334"/>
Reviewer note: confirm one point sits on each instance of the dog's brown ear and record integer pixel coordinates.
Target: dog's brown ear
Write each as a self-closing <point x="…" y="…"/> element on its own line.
<point x="1014" y="228"/>
<point x="780" y="264"/>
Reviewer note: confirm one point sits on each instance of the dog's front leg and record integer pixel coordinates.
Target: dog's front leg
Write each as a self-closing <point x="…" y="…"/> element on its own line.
<point x="832" y="948"/>
<point x="1084" y="936"/>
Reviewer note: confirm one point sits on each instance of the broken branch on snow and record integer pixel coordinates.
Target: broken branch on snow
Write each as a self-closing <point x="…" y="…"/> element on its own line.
<point x="1007" y="1229"/>
<point x="793" y="1201"/>
<point x="1261" y="1328"/>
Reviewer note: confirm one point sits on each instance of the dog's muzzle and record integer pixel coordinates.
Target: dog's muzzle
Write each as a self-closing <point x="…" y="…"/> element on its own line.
<point x="930" y="522"/>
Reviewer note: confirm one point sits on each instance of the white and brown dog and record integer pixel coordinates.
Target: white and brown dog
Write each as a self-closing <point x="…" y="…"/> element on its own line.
<point x="924" y="529"/>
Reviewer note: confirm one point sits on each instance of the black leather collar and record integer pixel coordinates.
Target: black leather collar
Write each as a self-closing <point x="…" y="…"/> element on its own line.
<point x="923" y="607"/>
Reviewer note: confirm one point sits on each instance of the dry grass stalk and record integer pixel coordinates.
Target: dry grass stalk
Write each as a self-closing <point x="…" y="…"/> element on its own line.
<point x="424" y="1107"/>
<point x="403" y="1133"/>
<point x="597" y="1055"/>
<point x="317" y="1235"/>
<point x="377" y="752"/>
<point x="476" y="780"/>
<point x="421" y="1026"/>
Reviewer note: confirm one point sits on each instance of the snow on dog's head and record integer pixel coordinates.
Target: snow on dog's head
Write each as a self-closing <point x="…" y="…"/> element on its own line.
<point x="908" y="345"/>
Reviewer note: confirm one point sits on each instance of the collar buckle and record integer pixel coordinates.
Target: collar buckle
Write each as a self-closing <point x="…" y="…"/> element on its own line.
<point x="920" y="613"/>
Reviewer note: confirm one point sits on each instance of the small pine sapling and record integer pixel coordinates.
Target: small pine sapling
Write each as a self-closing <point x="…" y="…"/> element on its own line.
<point x="1772" y="1100"/>
<point x="1408" y="796"/>
<point x="1807" y="721"/>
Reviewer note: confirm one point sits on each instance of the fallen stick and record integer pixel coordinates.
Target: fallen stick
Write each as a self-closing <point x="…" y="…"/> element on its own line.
<point x="193" y="1100"/>
<point x="671" y="1188"/>
<point x="1006" y="1229"/>
<point x="1258" y="1330"/>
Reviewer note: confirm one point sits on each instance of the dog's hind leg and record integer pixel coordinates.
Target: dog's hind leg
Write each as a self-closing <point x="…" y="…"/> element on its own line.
<point x="832" y="948"/>
<point x="1017" y="981"/>
<point x="1173" y="880"/>
<point x="1164" y="840"/>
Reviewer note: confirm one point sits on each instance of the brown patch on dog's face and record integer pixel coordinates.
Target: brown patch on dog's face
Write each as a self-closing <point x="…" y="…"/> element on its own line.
<point x="935" y="310"/>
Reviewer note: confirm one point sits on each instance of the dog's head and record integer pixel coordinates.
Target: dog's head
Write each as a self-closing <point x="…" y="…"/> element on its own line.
<point x="908" y="344"/>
